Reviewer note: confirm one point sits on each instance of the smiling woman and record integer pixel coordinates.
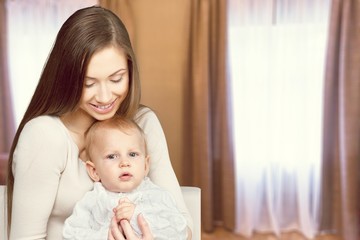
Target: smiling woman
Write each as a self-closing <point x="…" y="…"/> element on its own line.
<point x="48" y="170"/>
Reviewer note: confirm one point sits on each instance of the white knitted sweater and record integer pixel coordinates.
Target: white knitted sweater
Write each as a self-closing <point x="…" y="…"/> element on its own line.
<point x="92" y="214"/>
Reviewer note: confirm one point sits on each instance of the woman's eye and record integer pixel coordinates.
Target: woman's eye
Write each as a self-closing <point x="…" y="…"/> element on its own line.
<point x="116" y="80"/>
<point x="89" y="84"/>
<point x="111" y="156"/>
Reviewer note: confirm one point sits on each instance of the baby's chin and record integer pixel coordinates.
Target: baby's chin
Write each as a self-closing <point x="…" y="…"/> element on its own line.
<point x="122" y="189"/>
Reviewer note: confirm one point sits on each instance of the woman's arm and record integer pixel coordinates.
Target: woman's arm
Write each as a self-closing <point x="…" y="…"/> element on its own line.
<point x="39" y="158"/>
<point x="161" y="170"/>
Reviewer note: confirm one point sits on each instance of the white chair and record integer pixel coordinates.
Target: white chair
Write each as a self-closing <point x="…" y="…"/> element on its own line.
<point x="2" y="213"/>
<point x="192" y="197"/>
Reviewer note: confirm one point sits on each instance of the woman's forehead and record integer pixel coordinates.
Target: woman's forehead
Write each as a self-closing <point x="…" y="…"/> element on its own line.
<point x="107" y="62"/>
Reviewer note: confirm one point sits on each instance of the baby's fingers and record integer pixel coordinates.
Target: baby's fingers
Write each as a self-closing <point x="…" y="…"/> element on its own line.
<point x="124" y="213"/>
<point x="124" y="200"/>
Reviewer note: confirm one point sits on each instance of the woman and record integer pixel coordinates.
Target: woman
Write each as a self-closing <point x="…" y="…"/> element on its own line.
<point x="91" y="75"/>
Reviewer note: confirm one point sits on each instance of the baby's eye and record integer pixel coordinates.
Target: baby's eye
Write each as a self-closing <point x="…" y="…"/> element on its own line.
<point x="112" y="156"/>
<point x="133" y="154"/>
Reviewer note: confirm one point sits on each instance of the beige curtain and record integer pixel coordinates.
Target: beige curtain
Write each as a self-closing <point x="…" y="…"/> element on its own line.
<point x="7" y="125"/>
<point x="341" y="139"/>
<point x="209" y="162"/>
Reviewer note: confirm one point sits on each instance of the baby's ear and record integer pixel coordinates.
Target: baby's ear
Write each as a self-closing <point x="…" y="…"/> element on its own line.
<point x="90" y="167"/>
<point x="147" y="165"/>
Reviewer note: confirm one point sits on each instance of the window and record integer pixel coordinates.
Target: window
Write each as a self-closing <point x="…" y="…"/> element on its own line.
<point x="277" y="57"/>
<point x="32" y="27"/>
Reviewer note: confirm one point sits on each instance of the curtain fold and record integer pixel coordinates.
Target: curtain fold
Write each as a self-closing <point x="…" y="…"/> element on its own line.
<point x="7" y="125"/>
<point x="341" y="132"/>
<point x="208" y="139"/>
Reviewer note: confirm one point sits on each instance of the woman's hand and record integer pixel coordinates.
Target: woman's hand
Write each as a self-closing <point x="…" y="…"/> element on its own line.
<point x="125" y="231"/>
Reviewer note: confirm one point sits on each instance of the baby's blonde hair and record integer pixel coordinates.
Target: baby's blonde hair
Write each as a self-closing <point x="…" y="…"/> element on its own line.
<point x="115" y="123"/>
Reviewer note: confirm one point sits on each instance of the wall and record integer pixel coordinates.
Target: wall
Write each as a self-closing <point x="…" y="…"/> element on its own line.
<point x="161" y="45"/>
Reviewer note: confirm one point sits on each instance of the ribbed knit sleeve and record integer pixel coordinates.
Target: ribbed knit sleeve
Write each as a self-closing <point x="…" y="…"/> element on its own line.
<point x="39" y="159"/>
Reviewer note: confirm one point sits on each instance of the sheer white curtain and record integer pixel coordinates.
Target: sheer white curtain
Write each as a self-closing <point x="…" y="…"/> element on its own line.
<point x="32" y="26"/>
<point x="277" y="56"/>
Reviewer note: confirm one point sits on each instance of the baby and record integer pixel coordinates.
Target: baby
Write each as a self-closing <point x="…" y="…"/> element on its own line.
<point x="118" y="163"/>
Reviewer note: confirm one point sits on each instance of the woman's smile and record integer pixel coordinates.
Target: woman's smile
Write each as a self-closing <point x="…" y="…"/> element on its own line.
<point x="103" y="108"/>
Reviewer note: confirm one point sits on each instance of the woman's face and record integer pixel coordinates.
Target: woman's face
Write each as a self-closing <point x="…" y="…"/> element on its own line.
<point x="106" y="83"/>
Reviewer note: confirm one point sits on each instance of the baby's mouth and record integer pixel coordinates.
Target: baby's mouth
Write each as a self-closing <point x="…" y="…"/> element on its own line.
<point x="125" y="176"/>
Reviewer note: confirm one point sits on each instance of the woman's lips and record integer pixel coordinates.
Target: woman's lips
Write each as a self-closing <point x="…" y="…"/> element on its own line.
<point x="103" y="109"/>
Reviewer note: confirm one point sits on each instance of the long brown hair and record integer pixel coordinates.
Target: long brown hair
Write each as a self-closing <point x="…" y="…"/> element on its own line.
<point x="60" y="86"/>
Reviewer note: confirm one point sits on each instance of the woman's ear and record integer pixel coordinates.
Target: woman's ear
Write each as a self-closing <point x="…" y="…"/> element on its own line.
<point x="90" y="167"/>
<point x="147" y="165"/>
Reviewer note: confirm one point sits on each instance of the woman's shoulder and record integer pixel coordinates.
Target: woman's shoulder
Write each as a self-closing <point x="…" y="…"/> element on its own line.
<point x="44" y="125"/>
<point x="146" y="117"/>
<point x="44" y="120"/>
<point x="144" y="112"/>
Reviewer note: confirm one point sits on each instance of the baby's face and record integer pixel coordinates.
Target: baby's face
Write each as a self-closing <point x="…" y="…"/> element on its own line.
<point x="119" y="159"/>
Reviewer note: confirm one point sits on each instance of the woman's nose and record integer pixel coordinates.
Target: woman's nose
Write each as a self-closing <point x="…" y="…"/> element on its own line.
<point x="103" y="94"/>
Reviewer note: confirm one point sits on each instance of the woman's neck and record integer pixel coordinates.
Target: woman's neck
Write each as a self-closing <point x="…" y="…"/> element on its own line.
<point x="77" y="122"/>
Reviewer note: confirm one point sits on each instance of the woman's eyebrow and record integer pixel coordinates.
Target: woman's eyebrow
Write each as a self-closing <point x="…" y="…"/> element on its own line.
<point x="118" y="71"/>
<point x="115" y="73"/>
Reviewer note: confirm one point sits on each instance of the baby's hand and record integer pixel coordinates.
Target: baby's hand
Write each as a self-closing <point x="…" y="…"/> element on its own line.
<point x="124" y="210"/>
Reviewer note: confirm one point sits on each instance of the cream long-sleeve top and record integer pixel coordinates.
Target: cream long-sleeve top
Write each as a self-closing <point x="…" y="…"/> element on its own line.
<point x="92" y="214"/>
<point x="49" y="177"/>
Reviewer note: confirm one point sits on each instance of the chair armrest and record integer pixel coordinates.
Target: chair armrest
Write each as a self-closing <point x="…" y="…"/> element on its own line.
<point x="192" y="198"/>
<point x="3" y="211"/>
